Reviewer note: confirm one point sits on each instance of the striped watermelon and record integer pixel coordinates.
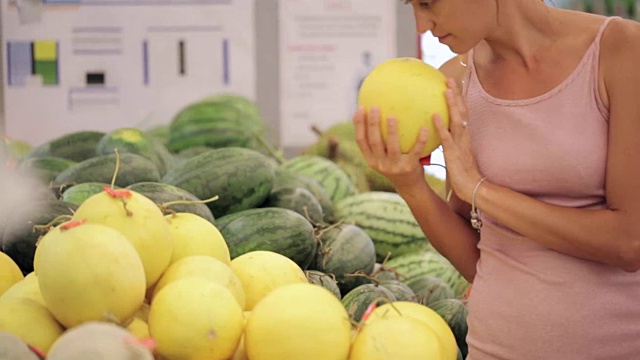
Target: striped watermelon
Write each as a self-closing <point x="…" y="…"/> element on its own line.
<point x="429" y="289"/>
<point x="241" y="178"/>
<point x="75" y="146"/>
<point x="221" y="121"/>
<point x="346" y="249"/>
<point x="455" y="280"/>
<point x="161" y="193"/>
<point x="455" y="313"/>
<point x="328" y="174"/>
<point x="135" y="141"/>
<point x="286" y="178"/>
<point x="386" y="217"/>
<point x="414" y="266"/>
<point x="132" y="169"/>
<point x="324" y="280"/>
<point x="297" y="199"/>
<point x="382" y="273"/>
<point x="401" y="291"/>
<point x="78" y="193"/>
<point x="359" y="299"/>
<point x="272" y="229"/>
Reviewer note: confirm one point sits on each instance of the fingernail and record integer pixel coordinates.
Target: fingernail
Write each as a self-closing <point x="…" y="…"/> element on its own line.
<point x="374" y="110"/>
<point x="448" y="93"/>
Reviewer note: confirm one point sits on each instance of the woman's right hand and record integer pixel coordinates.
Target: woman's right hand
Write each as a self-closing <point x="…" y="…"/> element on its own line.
<point x="403" y="170"/>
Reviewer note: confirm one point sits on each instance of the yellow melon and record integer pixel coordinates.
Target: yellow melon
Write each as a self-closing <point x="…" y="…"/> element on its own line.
<point x="413" y="92"/>
<point x="98" y="340"/>
<point x="143" y="312"/>
<point x="298" y="321"/>
<point x="26" y="288"/>
<point x="204" y="267"/>
<point x="193" y="235"/>
<point x="139" y="328"/>
<point x="425" y="315"/>
<point x="88" y="273"/>
<point x="264" y="271"/>
<point x="195" y="319"/>
<point x="140" y="220"/>
<point x="402" y="338"/>
<point x="9" y="272"/>
<point x="241" y="350"/>
<point x="20" y="317"/>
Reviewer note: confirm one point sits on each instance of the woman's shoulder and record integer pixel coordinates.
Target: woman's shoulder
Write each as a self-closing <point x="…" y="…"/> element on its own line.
<point x="620" y="57"/>
<point x="622" y="36"/>
<point x="456" y="67"/>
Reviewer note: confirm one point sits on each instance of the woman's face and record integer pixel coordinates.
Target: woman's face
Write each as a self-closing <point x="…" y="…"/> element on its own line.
<point x="459" y="24"/>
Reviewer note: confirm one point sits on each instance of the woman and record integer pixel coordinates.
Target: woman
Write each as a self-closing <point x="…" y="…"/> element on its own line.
<point x="543" y="142"/>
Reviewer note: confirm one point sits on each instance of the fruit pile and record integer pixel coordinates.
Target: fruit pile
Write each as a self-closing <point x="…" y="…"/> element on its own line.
<point x="199" y="240"/>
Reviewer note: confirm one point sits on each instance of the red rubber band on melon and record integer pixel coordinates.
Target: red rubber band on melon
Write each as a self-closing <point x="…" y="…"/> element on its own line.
<point x="148" y="343"/>
<point x="426" y="161"/>
<point x="72" y="224"/>
<point x="37" y="351"/>
<point x="369" y="310"/>
<point x="120" y="193"/>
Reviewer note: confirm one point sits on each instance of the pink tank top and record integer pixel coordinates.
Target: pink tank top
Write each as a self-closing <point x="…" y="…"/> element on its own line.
<point x="529" y="302"/>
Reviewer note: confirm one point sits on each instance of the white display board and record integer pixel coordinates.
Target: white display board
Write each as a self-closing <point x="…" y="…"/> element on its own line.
<point x="104" y="64"/>
<point x="327" y="48"/>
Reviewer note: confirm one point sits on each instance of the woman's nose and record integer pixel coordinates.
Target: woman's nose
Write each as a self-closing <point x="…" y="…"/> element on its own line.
<point x="424" y="22"/>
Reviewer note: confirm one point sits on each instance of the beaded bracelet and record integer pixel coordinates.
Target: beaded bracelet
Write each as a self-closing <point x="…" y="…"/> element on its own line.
<point x="476" y="223"/>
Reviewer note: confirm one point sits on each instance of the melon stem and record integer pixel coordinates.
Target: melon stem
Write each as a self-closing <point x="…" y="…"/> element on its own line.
<point x="385" y="268"/>
<point x="272" y="150"/>
<point x="59" y="188"/>
<point x="318" y="236"/>
<point x="124" y="204"/>
<point x="189" y="202"/>
<point x="334" y="143"/>
<point x="316" y="130"/>
<point x="361" y="273"/>
<point x="46" y="227"/>
<point x="115" y="172"/>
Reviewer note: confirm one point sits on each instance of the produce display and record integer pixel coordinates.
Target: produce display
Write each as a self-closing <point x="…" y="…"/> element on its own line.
<point x="199" y="240"/>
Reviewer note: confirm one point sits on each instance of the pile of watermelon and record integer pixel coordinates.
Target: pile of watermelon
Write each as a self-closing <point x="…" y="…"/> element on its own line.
<point x="337" y="221"/>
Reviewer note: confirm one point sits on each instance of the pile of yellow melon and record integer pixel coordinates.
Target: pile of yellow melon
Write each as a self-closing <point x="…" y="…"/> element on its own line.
<point x="121" y="280"/>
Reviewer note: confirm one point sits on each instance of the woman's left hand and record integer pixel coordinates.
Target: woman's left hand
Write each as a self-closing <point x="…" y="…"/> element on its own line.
<point x="462" y="169"/>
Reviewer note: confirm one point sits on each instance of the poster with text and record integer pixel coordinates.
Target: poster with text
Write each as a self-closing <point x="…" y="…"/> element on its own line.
<point x="75" y="65"/>
<point x="327" y="48"/>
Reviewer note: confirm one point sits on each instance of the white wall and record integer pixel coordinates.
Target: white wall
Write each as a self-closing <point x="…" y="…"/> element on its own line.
<point x="268" y="62"/>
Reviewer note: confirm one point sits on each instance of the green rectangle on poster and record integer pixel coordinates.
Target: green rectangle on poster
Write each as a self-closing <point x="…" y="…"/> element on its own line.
<point x="48" y="70"/>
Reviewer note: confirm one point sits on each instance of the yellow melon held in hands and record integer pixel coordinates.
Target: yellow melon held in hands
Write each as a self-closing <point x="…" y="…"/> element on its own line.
<point x="411" y="91"/>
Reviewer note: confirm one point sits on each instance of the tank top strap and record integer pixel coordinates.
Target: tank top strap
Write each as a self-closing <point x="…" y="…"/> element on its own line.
<point x="603" y="27"/>
<point x="595" y="66"/>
